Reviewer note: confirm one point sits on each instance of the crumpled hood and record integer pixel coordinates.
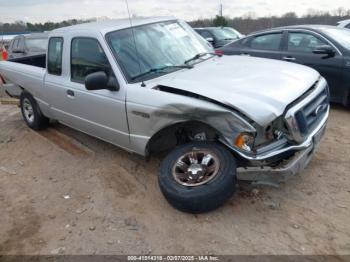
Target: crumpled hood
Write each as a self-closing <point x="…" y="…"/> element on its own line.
<point x="259" y="88"/>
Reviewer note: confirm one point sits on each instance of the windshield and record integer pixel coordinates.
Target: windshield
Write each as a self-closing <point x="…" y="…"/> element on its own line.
<point x="160" y="45"/>
<point x="233" y="31"/>
<point x="342" y="36"/>
<point x="224" y="34"/>
<point x="36" y="44"/>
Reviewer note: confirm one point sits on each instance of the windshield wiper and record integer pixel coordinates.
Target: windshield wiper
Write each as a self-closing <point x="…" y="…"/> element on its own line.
<point x="198" y="56"/>
<point x="160" y="69"/>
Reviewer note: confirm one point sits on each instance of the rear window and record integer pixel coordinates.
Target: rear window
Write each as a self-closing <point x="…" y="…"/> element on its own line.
<point x="267" y="42"/>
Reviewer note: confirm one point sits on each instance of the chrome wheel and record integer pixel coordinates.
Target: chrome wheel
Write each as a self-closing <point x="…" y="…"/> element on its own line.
<point x="28" y="110"/>
<point x="196" y="168"/>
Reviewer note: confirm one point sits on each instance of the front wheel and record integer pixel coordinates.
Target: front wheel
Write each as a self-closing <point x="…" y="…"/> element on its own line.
<point x="198" y="177"/>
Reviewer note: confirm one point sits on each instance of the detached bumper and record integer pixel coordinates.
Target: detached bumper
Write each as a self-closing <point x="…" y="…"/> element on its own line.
<point x="287" y="168"/>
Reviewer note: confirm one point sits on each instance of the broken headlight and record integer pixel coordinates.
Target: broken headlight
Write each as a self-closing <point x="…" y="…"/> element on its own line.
<point x="245" y="141"/>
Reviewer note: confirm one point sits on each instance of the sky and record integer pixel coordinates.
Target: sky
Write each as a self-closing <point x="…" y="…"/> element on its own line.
<point x="58" y="10"/>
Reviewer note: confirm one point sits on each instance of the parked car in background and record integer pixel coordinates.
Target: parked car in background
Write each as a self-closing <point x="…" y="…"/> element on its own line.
<point x="344" y="23"/>
<point x="26" y="49"/>
<point x="218" y="118"/>
<point x="324" y="48"/>
<point x="230" y="29"/>
<point x="28" y="45"/>
<point x="219" y="36"/>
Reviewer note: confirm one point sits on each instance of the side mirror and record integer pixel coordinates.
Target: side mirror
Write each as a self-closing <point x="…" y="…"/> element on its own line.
<point x="100" y="80"/>
<point x="210" y="39"/>
<point x="324" y="50"/>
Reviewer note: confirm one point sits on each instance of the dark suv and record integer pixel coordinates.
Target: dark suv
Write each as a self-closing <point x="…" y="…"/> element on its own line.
<point x="219" y="36"/>
<point x="28" y="45"/>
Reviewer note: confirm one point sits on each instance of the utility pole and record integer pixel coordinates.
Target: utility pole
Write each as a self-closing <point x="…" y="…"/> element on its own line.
<point x="220" y="11"/>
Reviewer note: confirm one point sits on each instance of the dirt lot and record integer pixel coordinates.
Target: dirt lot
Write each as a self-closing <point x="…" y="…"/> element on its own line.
<point x="63" y="192"/>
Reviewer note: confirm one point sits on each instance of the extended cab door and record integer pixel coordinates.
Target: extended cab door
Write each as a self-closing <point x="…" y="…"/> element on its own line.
<point x="299" y="49"/>
<point x="101" y="113"/>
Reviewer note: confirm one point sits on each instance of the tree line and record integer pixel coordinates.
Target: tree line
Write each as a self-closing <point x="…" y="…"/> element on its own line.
<point x="250" y="23"/>
<point x="20" y="26"/>
<point x="245" y="24"/>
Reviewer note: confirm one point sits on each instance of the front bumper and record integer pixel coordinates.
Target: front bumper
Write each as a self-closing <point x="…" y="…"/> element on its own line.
<point x="281" y="159"/>
<point x="286" y="169"/>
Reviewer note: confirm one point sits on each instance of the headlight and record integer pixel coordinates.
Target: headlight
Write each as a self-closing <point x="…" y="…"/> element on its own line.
<point x="245" y="141"/>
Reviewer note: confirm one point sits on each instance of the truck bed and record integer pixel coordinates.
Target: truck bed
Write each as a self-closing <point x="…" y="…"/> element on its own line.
<point x="34" y="60"/>
<point x="23" y="72"/>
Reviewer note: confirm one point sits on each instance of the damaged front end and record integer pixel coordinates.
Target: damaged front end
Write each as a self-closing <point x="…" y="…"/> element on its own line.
<point x="270" y="153"/>
<point x="158" y="125"/>
<point x="294" y="138"/>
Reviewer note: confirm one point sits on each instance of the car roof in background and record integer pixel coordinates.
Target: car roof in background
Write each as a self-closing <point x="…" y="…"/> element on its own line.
<point x="37" y="35"/>
<point x="344" y="21"/>
<point x="211" y="27"/>
<point x="305" y="27"/>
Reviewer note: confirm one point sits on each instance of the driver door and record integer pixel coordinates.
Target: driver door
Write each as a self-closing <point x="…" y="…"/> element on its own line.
<point x="299" y="49"/>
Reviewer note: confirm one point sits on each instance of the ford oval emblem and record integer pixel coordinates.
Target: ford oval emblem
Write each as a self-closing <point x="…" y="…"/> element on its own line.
<point x="319" y="109"/>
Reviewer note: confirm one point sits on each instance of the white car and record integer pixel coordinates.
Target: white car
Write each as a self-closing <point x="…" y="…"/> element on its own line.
<point x="344" y="23"/>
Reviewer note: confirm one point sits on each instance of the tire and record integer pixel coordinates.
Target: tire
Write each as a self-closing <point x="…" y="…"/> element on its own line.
<point x="31" y="112"/>
<point x="205" y="197"/>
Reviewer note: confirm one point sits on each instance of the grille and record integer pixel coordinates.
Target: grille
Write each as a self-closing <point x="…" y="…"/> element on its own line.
<point x="312" y="113"/>
<point x="305" y="114"/>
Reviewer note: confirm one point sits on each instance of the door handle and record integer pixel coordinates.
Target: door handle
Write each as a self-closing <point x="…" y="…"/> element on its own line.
<point x="289" y="58"/>
<point x="245" y="54"/>
<point x="70" y="93"/>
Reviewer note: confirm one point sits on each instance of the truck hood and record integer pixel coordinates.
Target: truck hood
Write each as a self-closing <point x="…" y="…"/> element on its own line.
<point x="259" y="88"/>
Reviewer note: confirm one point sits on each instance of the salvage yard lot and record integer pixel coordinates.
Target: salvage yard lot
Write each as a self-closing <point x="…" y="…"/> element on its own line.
<point x="63" y="192"/>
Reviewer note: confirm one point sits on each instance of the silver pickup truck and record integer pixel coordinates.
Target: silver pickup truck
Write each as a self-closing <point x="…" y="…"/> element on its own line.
<point x="153" y="85"/>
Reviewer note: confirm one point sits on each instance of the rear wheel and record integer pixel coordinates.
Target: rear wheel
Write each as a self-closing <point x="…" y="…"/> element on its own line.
<point x="198" y="177"/>
<point x="31" y="112"/>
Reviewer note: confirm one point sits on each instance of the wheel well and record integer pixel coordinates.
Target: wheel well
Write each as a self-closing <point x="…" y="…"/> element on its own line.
<point x="180" y="133"/>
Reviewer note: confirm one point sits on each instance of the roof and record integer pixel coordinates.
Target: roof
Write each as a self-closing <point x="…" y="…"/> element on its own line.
<point x="112" y="25"/>
<point x="307" y="27"/>
<point x="37" y="35"/>
<point x="13" y="33"/>
<point x="316" y="27"/>
<point x="210" y="27"/>
<point x="344" y="21"/>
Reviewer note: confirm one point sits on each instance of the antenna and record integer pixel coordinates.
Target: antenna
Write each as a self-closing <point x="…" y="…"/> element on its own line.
<point x="133" y="36"/>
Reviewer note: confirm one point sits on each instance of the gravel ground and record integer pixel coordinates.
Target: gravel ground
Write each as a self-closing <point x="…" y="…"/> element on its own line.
<point x="63" y="192"/>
